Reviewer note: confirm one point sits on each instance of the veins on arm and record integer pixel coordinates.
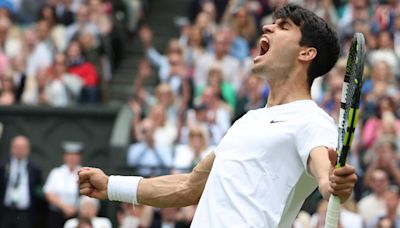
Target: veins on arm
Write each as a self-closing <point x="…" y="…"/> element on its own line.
<point x="176" y="190"/>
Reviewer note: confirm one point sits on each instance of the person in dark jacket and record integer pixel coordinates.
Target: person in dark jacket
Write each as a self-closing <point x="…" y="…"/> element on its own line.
<point x="20" y="186"/>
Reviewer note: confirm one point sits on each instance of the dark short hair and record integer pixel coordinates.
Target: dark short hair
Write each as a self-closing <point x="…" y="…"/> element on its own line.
<point x="315" y="32"/>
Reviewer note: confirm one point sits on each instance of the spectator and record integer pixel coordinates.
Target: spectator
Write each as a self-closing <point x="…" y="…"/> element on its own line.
<point x="193" y="45"/>
<point x="224" y="89"/>
<point x="384" y="157"/>
<point x="391" y="203"/>
<point x="348" y="219"/>
<point x="229" y="65"/>
<point x="165" y="132"/>
<point x="252" y="95"/>
<point x="82" y="23"/>
<point x="78" y="65"/>
<point x="147" y="156"/>
<point x="18" y="76"/>
<point x="63" y="88"/>
<point x="242" y="23"/>
<point x="20" y="186"/>
<point x="88" y="209"/>
<point x="95" y="54"/>
<point x="129" y="216"/>
<point x="385" y="52"/>
<point x="384" y="122"/>
<point x="61" y="187"/>
<point x="373" y="204"/>
<point x="38" y="48"/>
<point x="187" y="156"/>
<point x="7" y="91"/>
<point x="218" y="114"/>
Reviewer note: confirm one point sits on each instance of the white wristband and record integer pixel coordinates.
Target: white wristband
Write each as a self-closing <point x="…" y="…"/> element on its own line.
<point x="123" y="188"/>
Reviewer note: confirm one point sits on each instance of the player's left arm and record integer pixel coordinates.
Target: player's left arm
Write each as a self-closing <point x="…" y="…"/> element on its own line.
<point x="339" y="181"/>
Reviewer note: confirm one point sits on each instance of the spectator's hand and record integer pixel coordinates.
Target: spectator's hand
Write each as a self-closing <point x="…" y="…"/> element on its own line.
<point x="135" y="107"/>
<point x="69" y="211"/>
<point x="342" y="180"/>
<point x="93" y="183"/>
<point x="146" y="36"/>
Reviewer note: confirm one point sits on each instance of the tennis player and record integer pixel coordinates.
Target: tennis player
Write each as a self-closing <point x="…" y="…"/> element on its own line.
<point x="272" y="158"/>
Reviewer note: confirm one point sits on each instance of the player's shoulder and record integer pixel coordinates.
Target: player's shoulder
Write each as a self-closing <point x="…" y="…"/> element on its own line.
<point x="319" y="118"/>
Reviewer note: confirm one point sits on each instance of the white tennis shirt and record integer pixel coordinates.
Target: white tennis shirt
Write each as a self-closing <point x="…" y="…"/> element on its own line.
<point x="259" y="177"/>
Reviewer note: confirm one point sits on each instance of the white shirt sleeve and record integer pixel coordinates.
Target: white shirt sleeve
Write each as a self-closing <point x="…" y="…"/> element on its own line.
<point x="49" y="186"/>
<point x="320" y="132"/>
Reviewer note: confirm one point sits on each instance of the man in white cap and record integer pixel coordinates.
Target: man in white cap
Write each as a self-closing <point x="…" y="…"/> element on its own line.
<point x="61" y="188"/>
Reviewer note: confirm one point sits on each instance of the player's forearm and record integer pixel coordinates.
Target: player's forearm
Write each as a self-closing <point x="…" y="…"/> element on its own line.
<point x="168" y="191"/>
<point x="323" y="187"/>
<point x="176" y="190"/>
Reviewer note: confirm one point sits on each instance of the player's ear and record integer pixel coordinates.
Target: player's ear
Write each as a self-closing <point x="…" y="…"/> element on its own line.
<point x="307" y="54"/>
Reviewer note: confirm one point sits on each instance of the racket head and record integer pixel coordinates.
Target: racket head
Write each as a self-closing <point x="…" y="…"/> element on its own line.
<point x="350" y="99"/>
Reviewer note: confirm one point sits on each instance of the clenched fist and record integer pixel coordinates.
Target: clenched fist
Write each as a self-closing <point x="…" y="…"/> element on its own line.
<point x="93" y="183"/>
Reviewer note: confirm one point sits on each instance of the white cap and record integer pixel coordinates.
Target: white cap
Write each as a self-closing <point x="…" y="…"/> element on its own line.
<point x="72" y="147"/>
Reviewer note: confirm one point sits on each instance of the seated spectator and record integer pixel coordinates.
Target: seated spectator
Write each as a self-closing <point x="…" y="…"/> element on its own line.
<point x="165" y="132"/>
<point x="392" y="200"/>
<point x="252" y="95"/>
<point x="187" y="156"/>
<point x="147" y="156"/>
<point x="385" y="222"/>
<point x="348" y="218"/>
<point x="78" y="65"/>
<point x="373" y="204"/>
<point x="20" y="186"/>
<point x="82" y="23"/>
<point x="35" y="89"/>
<point x="18" y="76"/>
<point x="38" y="50"/>
<point x="7" y="91"/>
<point x="386" y="52"/>
<point x="95" y="54"/>
<point x="193" y="46"/>
<point x="223" y="88"/>
<point x="61" y="187"/>
<point x="84" y="223"/>
<point x="230" y="66"/>
<point x="383" y="156"/>
<point x="168" y="218"/>
<point x="129" y="216"/>
<point x="88" y="209"/>
<point x="69" y="83"/>
<point x="384" y="122"/>
<point x="219" y="114"/>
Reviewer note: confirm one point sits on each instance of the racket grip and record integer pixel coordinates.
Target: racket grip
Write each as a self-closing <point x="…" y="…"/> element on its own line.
<point x="333" y="212"/>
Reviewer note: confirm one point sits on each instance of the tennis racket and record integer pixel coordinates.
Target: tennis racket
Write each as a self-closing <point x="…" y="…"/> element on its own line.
<point x="348" y="116"/>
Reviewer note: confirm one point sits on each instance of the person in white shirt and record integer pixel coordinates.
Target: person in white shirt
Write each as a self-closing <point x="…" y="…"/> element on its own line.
<point x="187" y="156"/>
<point x="61" y="187"/>
<point x="272" y="158"/>
<point x="373" y="204"/>
<point x="88" y="208"/>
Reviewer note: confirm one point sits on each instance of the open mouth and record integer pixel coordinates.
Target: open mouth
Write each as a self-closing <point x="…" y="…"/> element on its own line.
<point x="264" y="46"/>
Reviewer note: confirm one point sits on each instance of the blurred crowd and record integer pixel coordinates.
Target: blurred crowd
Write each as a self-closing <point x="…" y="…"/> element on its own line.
<point x="59" y="52"/>
<point x="65" y="54"/>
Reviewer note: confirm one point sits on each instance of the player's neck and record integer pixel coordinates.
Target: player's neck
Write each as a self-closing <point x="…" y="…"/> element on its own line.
<point x="287" y="90"/>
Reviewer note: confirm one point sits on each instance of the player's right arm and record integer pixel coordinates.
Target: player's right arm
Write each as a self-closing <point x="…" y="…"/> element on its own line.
<point x="165" y="191"/>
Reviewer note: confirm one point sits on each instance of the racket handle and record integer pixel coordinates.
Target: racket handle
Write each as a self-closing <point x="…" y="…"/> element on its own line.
<point x="333" y="212"/>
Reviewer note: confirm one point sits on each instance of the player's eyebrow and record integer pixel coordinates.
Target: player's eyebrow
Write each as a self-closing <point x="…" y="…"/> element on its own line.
<point x="282" y="22"/>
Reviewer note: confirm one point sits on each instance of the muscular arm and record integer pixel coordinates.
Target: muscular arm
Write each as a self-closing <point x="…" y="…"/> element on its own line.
<point x="164" y="191"/>
<point x="176" y="190"/>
